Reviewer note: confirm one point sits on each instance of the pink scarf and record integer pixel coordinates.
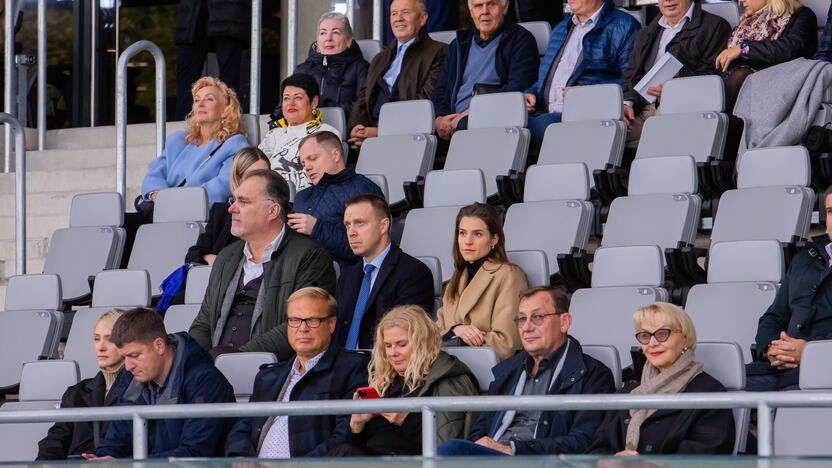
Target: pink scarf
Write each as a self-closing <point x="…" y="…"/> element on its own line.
<point x="762" y="25"/>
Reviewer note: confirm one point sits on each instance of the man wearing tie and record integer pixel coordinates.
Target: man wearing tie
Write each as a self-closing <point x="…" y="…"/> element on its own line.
<point x="386" y="277"/>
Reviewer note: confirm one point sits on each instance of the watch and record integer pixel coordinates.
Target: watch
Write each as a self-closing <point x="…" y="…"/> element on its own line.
<point x="744" y="48"/>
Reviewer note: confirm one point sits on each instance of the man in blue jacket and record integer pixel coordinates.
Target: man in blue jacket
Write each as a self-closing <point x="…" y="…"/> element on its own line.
<point x="590" y="46"/>
<point x="495" y="56"/>
<point x="318" y="372"/>
<point x="319" y="209"/>
<point x="551" y="363"/>
<point x="165" y="370"/>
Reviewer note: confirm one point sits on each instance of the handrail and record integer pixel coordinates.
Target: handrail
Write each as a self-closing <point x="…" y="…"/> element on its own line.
<point x="41" y="75"/>
<point x="121" y="108"/>
<point x="9" y="83"/>
<point x="378" y="21"/>
<point x="292" y="35"/>
<point x="19" y="190"/>
<point x="256" y="56"/>
<point x="764" y="402"/>
<point x="93" y="59"/>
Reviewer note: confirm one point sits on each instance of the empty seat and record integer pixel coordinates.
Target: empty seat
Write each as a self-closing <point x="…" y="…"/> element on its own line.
<point x="251" y="126"/>
<point x="742" y="283"/>
<point x="241" y="368"/>
<point x="480" y="360"/>
<point x="608" y="355"/>
<point x="47" y="380"/>
<point x="533" y="263"/>
<point x="729" y="11"/>
<point x="160" y="247"/>
<point x="197" y="283"/>
<point x="541" y="32"/>
<point x="179" y="318"/>
<point x="335" y="116"/>
<point x="38" y="293"/>
<point x="25" y="336"/>
<point x="443" y="36"/>
<point x="457" y="187"/>
<point x="405" y="148"/>
<point x="93" y="242"/>
<point x="369" y="48"/>
<point x="724" y="362"/>
<point x="381" y="181"/>
<point x="624" y="279"/>
<point x="496" y="141"/>
<point x="436" y="271"/>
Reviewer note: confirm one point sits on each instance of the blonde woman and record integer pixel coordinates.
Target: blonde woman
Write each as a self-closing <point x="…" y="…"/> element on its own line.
<point x="65" y="439"/>
<point x="217" y="233"/>
<point x="668" y="340"/>
<point x="201" y="155"/>
<point x="407" y="362"/>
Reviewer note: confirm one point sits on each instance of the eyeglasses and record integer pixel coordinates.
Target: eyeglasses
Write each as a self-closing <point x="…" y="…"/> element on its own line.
<point x="661" y="335"/>
<point x="536" y="319"/>
<point x="232" y="200"/>
<point x="311" y="322"/>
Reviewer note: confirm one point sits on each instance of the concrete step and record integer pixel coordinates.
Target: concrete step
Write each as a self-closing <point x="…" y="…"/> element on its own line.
<point x="33" y="265"/>
<point x="38" y="204"/>
<point x="89" y="180"/>
<point x="104" y="137"/>
<point x="31" y="139"/>
<point x="35" y="249"/>
<point x="36" y="226"/>
<point x="92" y="158"/>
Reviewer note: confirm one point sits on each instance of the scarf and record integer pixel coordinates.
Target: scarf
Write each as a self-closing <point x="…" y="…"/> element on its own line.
<point x="317" y="119"/>
<point x="762" y="25"/>
<point x="110" y="375"/>
<point x="673" y="380"/>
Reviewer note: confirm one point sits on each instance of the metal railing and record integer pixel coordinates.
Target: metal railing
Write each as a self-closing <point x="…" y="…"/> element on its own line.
<point x="19" y="190"/>
<point x="765" y="403"/>
<point x="9" y="83"/>
<point x="121" y="108"/>
<point x="256" y="56"/>
<point x="41" y="75"/>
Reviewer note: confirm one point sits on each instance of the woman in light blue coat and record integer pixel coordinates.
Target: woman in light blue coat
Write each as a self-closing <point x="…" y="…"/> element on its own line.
<point x="202" y="154"/>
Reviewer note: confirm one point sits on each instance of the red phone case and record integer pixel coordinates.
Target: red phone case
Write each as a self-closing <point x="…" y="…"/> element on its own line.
<point x="368" y="392"/>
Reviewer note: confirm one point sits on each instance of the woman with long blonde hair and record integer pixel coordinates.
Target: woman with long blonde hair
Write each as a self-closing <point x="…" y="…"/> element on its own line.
<point x="407" y="362"/>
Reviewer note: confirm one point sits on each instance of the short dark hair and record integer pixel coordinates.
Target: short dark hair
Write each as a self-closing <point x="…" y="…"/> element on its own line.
<point x="379" y="204"/>
<point x="276" y="188"/>
<point x="141" y="325"/>
<point x="826" y="194"/>
<point x="559" y="297"/>
<point x="304" y="82"/>
<point x="324" y="138"/>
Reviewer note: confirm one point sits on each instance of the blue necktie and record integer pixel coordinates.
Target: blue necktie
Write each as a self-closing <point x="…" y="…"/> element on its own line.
<point x="395" y="68"/>
<point x="360" y="305"/>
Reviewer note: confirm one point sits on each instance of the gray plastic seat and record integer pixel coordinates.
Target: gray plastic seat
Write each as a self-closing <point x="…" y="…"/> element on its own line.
<point x="178" y="318"/>
<point x="436" y="271"/>
<point x="479" y="359"/>
<point x="454" y="187"/>
<point x="496" y="141"/>
<point x="729" y="11"/>
<point x="251" y="127"/>
<point x="381" y="182"/>
<point x="443" y="36"/>
<point x="177" y="222"/>
<point x="640" y="14"/>
<point x="47" y="380"/>
<point x="93" y="242"/>
<point x="723" y="361"/>
<point x="196" y="284"/>
<point x="335" y="116"/>
<point x="624" y="279"/>
<point x="369" y="48"/>
<point x="608" y="356"/>
<point x="38" y="293"/>
<point x="541" y="32"/>
<point x="241" y="368"/>
<point x="25" y="335"/>
<point x="743" y="278"/>
<point x="661" y="207"/>
<point x="591" y="131"/>
<point x="123" y="289"/>
<point x="533" y="263"/>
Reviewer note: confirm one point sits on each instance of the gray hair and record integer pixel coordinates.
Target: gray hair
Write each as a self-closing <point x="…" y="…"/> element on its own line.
<point x="471" y="3"/>
<point x="334" y="15"/>
<point x="421" y="3"/>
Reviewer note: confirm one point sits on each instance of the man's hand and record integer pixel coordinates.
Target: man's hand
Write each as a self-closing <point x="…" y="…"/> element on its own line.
<point x="92" y="456"/>
<point x="629" y="116"/>
<point x="359" y="134"/>
<point x="444" y="126"/>
<point x="302" y="223"/>
<point x="656" y="91"/>
<point x="209" y="258"/>
<point x="724" y="59"/>
<point x="627" y="453"/>
<point x="531" y="102"/>
<point x="785" y="353"/>
<point x="494" y="445"/>
<point x="470" y="334"/>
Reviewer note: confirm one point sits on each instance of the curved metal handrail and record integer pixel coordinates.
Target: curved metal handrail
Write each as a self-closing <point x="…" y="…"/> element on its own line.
<point x="19" y="190"/>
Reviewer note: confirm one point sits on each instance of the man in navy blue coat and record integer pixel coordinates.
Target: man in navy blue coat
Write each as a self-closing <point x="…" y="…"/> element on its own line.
<point x="318" y="372"/>
<point x="319" y="209"/>
<point x="165" y="369"/>
<point x="394" y="277"/>
<point x="551" y="363"/>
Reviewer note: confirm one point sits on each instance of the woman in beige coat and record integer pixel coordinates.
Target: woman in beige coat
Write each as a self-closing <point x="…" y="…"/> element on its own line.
<point x="481" y="298"/>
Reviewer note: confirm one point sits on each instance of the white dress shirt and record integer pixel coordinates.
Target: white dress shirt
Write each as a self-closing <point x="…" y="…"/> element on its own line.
<point x="669" y="32"/>
<point x="568" y="59"/>
<point x="251" y="269"/>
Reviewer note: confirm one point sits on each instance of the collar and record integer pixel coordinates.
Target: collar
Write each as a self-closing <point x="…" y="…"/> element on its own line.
<point x="828" y="248"/>
<point x="310" y="364"/>
<point x="317" y="120"/>
<point x="406" y="44"/>
<point x="688" y="14"/>
<point x="546" y="363"/>
<point x="270" y="247"/>
<point x="332" y="179"/>
<point x="591" y="20"/>
<point x="159" y="389"/>
<point x="482" y="43"/>
<point x="379" y="259"/>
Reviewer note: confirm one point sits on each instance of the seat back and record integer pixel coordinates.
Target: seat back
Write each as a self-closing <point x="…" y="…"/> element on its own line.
<point x="498" y="110"/>
<point x="568" y="181"/>
<point x="251" y="127"/>
<point x="398" y="158"/>
<point x="558" y="226"/>
<point x="181" y="205"/>
<point x="774" y="167"/>
<point x="693" y="94"/>
<point x="541" y="32"/>
<point x="430" y="232"/>
<point x="593" y="103"/>
<point x="816" y="366"/>
<point x="729" y="11"/>
<point x="533" y="263"/>
<point x="496" y="151"/>
<point x="454" y="187"/>
<point x="19" y="441"/>
<point x="608" y="356"/>
<point x="25" y="336"/>
<point x="335" y="116"/>
<point x="160" y="249"/>
<point x="47" y="380"/>
<point x="406" y="118"/>
<point x="178" y="318"/>
<point x="435" y="268"/>
<point x="700" y="135"/>
<point x="79" y="343"/>
<point x="443" y="36"/>
<point x="121" y="288"/>
<point x="96" y="209"/>
<point x="33" y="292"/>
<point x="196" y="284"/>
<point x="369" y="48"/>
<point x="480" y="360"/>
<point x="241" y="368"/>
<point x="724" y="362"/>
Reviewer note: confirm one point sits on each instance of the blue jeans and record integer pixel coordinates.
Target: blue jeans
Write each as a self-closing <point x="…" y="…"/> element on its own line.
<point x="459" y="447"/>
<point x="537" y="126"/>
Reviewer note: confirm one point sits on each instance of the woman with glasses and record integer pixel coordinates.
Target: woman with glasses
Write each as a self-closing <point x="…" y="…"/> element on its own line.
<point x="481" y="298"/>
<point x="668" y="340"/>
<point x="407" y="362"/>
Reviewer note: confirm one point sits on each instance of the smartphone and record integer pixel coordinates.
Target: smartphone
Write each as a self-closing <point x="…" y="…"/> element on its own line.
<point x="367" y="392"/>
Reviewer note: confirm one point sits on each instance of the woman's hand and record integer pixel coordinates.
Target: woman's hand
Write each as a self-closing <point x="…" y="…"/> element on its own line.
<point x="152" y="196"/>
<point x="359" y="420"/>
<point x="471" y="335"/>
<point x="724" y="59"/>
<point x="395" y="419"/>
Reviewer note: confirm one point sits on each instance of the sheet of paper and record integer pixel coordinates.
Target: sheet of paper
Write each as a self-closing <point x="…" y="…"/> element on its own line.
<point x="665" y="68"/>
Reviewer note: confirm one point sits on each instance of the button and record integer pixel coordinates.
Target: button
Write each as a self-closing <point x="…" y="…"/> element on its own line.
<point x="648" y="448"/>
<point x="814" y="288"/>
<point x="799" y="326"/>
<point x="545" y="422"/>
<point x="572" y="379"/>
<point x="233" y="328"/>
<point x="536" y="380"/>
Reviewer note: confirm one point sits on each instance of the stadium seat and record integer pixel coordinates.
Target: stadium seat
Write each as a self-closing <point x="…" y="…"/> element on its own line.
<point x="821" y="10"/>
<point x="179" y="318"/>
<point x="480" y="360"/>
<point x="443" y="36"/>
<point x="533" y="263"/>
<point x="541" y="32"/>
<point x="47" y="380"/>
<point x="25" y="335"/>
<point x="436" y="271"/>
<point x="369" y="48"/>
<point x="624" y="279"/>
<point x="455" y="187"/>
<point x="496" y="140"/>
<point x="240" y="370"/>
<point x="724" y="362"/>
<point x="93" y="242"/>
<point x="640" y="14"/>
<point x="803" y="431"/>
<point x="743" y="277"/>
<point x="729" y="11"/>
<point x="160" y="247"/>
<point x="113" y="289"/>
<point x="405" y="148"/>
<point x="251" y="126"/>
<point x="381" y="181"/>
<point x="335" y="116"/>
<point x="37" y="294"/>
<point x="608" y="356"/>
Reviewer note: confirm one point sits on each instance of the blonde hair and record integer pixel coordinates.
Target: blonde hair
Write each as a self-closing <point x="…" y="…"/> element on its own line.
<point x="670" y="315"/>
<point x="243" y="160"/>
<point x="424" y="339"/>
<point x="230" y="118"/>
<point x="312" y="292"/>
<point x="109" y="318"/>
<point x="784" y="7"/>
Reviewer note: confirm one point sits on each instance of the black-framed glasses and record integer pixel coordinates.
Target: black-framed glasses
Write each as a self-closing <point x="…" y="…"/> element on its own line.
<point x="536" y="319"/>
<point x="311" y="322"/>
<point x="661" y="335"/>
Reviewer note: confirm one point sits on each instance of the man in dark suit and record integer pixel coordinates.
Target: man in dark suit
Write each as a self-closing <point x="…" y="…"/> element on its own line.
<point x="318" y="372"/>
<point x="386" y="277"/>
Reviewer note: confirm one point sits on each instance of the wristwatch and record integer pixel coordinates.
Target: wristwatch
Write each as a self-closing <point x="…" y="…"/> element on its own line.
<point x="744" y="48"/>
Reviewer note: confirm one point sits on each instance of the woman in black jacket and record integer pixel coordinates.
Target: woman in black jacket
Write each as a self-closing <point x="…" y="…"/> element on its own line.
<point x="668" y="340"/>
<point x="336" y="63"/>
<point x="217" y="233"/>
<point x="65" y="438"/>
